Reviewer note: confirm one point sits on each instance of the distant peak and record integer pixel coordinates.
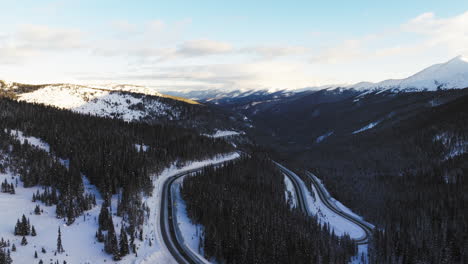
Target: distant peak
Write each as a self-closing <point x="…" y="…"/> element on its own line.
<point x="460" y="58"/>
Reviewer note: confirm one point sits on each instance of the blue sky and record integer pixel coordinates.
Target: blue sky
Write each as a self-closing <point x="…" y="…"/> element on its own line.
<point x="227" y="44"/>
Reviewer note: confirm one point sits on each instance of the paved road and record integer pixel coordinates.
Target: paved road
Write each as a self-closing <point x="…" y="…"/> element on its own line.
<point x="169" y="229"/>
<point x="331" y="205"/>
<point x="326" y="201"/>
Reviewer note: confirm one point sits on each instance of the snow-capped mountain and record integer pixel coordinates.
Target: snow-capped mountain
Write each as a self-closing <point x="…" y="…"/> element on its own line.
<point x="449" y="75"/>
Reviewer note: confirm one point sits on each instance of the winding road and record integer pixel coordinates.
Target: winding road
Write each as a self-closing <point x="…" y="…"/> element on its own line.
<point x="182" y="254"/>
<point x="331" y="205"/>
<point x="169" y="229"/>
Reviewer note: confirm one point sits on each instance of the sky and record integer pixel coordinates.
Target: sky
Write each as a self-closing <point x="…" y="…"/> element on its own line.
<point x="204" y="44"/>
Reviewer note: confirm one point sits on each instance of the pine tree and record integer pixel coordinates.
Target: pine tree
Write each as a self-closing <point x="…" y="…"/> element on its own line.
<point x="59" y="242"/>
<point x="24" y="242"/>
<point x="103" y="218"/>
<point x="99" y="235"/>
<point x="70" y="212"/>
<point x="115" y="247"/>
<point x="13" y="247"/>
<point x="24" y="226"/>
<point x="8" y="259"/>
<point x="37" y="210"/>
<point x="17" y="228"/>
<point x="35" y="254"/>
<point x="33" y="231"/>
<point x="124" y="250"/>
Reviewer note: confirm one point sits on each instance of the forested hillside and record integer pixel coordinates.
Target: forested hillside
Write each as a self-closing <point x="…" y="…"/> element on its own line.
<point x="126" y="102"/>
<point x="410" y="181"/>
<point x="246" y="218"/>
<point x="118" y="157"/>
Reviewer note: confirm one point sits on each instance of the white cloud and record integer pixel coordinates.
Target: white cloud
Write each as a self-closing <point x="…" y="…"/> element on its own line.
<point x="449" y="33"/>
<point x="272" y="52"/>
<point x="203" y="47"/>
<point x="426" y="33"/>
<point x="30" y="41"/>
<point x="44" y="37"/>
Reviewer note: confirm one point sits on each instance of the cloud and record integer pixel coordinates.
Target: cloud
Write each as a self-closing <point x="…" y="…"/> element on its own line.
<point x="203" y="47"/>
<point x="423" y="34"/>
<point x="44" y="37"/>
<point x="255" y="75"/>
<point x="29" y="41"/>
<point x="347" y="51"/>
<point x="449" y="33"/>
<point x="272" y="52"/>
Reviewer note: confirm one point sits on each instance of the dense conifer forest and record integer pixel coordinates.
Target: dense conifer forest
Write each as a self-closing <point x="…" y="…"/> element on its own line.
<point x="246" y="217"/>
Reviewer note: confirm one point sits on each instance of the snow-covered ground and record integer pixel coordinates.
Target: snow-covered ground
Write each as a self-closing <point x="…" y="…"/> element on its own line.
<point x="34" y="141"/>
<point x="89" y="100"/>
<point x="223" y="133"/>
<point x="323" y="137"/>
<point x="454" y="145"/>
<point x="339" y="224"/>
<point x="367" y="127"/>
<point x="140" y="147"/>
<point x="78" y="239"/>
<point x="290" y="192"/>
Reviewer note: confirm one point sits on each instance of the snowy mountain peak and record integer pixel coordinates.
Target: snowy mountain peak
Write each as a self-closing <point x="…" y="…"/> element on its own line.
<point x="460" y="58"/>
<point x="452" y="74"/>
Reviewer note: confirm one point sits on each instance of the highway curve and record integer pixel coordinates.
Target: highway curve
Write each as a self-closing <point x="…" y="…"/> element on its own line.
<point x="169" y="230"/>
<point x="326" y="201"/>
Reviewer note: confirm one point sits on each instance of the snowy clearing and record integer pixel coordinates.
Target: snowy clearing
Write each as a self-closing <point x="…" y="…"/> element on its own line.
<point x="454" y="146"/>
<point x="323" y="137"/>
<point x="223" y="133"/>
<point x="33" y="141"/>
<point x="290" y="192"/>
<point x="369" y="126"/>
<point x="141" y="147"/>
<point x="77" y="239"/>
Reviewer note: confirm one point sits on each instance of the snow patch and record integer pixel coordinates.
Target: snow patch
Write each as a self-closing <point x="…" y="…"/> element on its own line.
<point x="33" y="141"/>
<point x="323" y="137"/>
<point x="454" y="145"/>
<point x="223" y="133"/>
<point x="290" y="192"/>
<point x="367" y="127"/>
<point x="141" y="147"/>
